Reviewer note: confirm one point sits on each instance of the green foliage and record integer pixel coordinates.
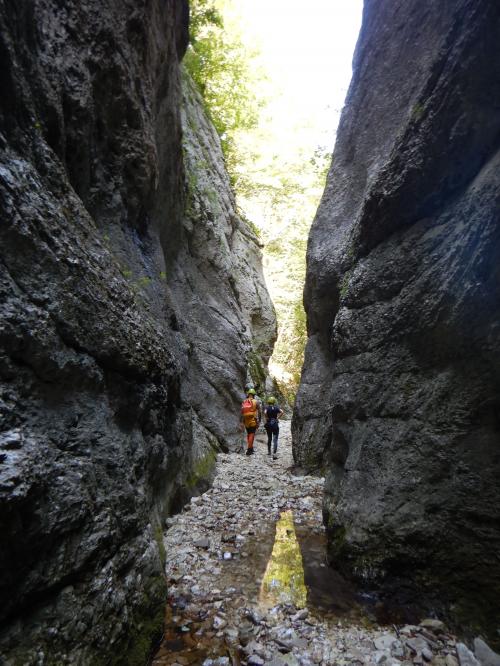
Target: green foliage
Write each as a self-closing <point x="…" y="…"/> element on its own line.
<point x="220" y="65"/>
<point x="147" y="626"/>
<point x="344" y="287"/>
<point x="143" y="281"/>
<point x="417" y="112"/>
<point x="158" y="535"/>
<point x="289" y="349"/>
<point x="278" y="178"/>
<point x="201" y="471"/>
<point x="249" y="223"/>
<point x="257" y="372"/>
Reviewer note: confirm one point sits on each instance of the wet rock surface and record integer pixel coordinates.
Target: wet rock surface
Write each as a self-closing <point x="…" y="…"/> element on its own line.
<point x="235" y="591"/>
<point x="122" y="331"/>
<point x="402" y="294"/>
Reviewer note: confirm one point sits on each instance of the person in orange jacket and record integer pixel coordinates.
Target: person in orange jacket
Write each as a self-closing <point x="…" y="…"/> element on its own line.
<point x="250" y="418"/>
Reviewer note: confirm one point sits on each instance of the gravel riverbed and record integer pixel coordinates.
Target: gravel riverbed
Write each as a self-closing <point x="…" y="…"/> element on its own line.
<point x="236" y="583"/>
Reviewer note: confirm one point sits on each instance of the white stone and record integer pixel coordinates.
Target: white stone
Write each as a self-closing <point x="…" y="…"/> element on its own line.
<point x="219" y="623"/>
<point x="465" y="656"/>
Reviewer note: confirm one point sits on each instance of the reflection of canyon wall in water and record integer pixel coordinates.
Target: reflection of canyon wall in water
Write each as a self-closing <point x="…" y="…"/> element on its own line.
<point x="400" y="396"/>
<point x="125" y="332"/>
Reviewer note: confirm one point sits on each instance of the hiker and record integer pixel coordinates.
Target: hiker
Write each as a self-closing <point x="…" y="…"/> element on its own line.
<point x="250" y="418"/>
<point x="272" y="415"/>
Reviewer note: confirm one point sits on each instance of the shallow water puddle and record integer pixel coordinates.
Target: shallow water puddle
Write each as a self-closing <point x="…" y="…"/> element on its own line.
<point x="283" y="581"/>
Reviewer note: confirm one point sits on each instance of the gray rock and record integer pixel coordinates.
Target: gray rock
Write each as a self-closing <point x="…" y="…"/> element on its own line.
<point x="245" y="632"/>
<point x="202" y="543"/>
<point x="289" y="660"/>
<point x="127" y="327"/>
<point x="385" y="642"/>
<point x="254" y="647"/>
<point x="219" y="623"/>
<point x="300" y="615"/>
<point x="255" y="660"/>
<point x="417" y="645"/>
<point x="402" y="296"/>
<point x="465" y="656"/>
<point x="485" y="654"/>
<point x="435" y="626"/>
<point x="231" y="634"/>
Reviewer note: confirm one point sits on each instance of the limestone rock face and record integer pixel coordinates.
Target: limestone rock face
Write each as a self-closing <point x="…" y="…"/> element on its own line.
<point x="124" y="337"/>
<point x="217" y="283"/>
<point x="400" y="396"/>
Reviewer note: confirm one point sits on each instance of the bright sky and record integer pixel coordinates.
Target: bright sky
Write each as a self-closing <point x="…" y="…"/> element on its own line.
<point x="307" y="48"/>
<point x="306" y="52"/>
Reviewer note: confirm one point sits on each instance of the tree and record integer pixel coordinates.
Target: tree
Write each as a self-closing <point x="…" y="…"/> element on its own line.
<point x="222" y="68"/>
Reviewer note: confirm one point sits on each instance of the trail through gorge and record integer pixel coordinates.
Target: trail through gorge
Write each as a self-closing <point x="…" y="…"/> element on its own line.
<point x="249" y="583"/>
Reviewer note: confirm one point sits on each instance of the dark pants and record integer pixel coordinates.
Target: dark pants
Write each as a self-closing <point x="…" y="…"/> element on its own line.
<point x="272" y="434"/>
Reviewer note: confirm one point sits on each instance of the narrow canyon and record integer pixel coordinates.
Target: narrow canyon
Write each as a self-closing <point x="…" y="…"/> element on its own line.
<point x="134" y="313"/>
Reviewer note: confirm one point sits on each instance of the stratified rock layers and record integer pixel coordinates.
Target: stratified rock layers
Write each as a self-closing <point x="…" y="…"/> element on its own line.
<point x="400" y="395"/>
<point x="124" y="338"/>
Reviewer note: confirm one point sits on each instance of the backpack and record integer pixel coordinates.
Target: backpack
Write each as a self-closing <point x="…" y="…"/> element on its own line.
<point x="249" y="412"/>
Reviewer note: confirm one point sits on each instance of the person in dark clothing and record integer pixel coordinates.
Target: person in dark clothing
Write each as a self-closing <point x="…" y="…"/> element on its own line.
<point x="272" y="413"/>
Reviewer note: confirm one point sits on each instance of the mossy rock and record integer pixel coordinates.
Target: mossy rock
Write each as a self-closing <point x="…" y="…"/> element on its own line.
<point x="257" y="371"/>
<point x="147" y="626"/>
<point x="202" y="471"/>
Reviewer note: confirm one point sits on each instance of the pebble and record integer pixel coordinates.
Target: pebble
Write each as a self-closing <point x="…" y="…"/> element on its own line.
<point x="427" y="654"/>
<point x="255" y="660"/>
<point x="202" y="543"/>
<point x="219" y="623"/>
<point x="301" y="615"/>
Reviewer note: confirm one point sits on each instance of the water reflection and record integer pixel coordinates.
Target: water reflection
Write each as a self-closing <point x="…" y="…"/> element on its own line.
<point x="284" y="578"/>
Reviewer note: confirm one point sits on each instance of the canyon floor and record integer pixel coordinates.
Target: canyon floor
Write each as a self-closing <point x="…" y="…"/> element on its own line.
<point x="249" y="583"/>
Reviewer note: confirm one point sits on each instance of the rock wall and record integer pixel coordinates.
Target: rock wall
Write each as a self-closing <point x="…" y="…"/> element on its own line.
<point x="400" y="395"/>
<point x="217" y="283"/>
<point x="126" y="327"/>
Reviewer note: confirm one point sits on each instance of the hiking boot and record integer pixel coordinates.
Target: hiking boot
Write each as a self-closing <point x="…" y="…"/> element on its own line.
<point x="275" y="456"/>
<point x="249" y="452"/>
<point x="269" y="452"/>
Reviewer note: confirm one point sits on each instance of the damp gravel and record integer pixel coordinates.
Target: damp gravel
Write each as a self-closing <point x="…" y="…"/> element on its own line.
<point x="249" y="583"/>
